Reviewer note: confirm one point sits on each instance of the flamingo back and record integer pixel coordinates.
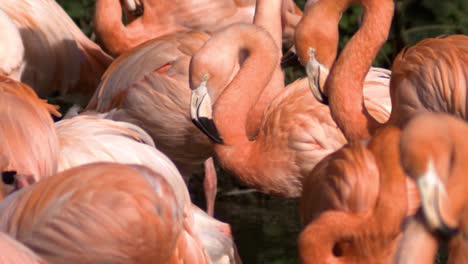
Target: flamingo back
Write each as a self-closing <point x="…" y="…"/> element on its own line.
<point x="96" y="213"/>
<point x="431" y="75"/>
<point x="347" y="180"/>
<point x="87" y="138"/>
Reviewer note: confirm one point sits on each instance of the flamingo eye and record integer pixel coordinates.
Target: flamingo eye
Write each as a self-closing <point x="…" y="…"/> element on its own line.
<point x="8" y="177"/>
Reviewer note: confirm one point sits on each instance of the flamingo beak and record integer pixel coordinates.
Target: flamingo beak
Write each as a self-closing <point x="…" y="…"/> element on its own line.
<point x="202" y="113"/>
<point x="317" y="75"/>
<point x="432" y="191"/>
<point x="135" y="7"/>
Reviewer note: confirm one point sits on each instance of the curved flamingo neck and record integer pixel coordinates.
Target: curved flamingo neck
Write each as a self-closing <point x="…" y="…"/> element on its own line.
<point x="373" y="233"/>
<point x="232" y="107"/>
<point x="346" y="80"/>
<point x="318" y="29"/>
<point x="267" y="16"/>
<point x="108" y="24"/>
<point x="319" y="240"/>
<point x="385" y="147"/>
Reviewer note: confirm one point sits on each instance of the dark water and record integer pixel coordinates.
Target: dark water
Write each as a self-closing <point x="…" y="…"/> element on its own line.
<point x="265" y="228"/>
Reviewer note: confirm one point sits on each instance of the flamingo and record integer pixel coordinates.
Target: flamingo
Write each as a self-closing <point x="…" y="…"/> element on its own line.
<point x="354" y="203"/>
<point x="15" y="252"/>
<point x="433" y="151"/>
<point x="51" y="54"/>
<point x="153" y="78"/>
<point x="78" y="215"/>
<point x="25" y="156"/>
<point x="420" y="74"/>
<point x="250" y="115"/>
<point x="162" y="18"/>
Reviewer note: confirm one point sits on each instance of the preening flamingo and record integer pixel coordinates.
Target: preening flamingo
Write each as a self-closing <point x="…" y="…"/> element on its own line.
<point x="57" y="57"/>
<point x="152" y="78"/>
<point x="14" y="252"/>
<point x="354" y="203"/>
<point x="77" y="216"/>
<point x="433" y="153"/>
<point x="162" y="18"/>
<point x="316" y="43"/>
<point x="421" y="74"/>
<point x="27" y="136"/>
<point x="267" y="135"/>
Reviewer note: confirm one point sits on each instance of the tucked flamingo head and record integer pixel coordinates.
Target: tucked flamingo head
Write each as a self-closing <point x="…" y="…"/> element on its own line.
<point x="316" y="41"/>
<point x="210" y="72"/>
<point x="214" y="67"/>
<point x="29" y="145"/>
<point x="429" y="155"/>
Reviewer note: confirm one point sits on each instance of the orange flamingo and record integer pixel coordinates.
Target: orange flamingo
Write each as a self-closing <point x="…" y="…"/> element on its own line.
<point x="25" y="156"/>
<point x="156" y="77"/>
<point x="162" y="18"/>
<point x="78" y="215"/>
<point x="316" y="43"/>
<point x="50" y="42"/>
<point x="354" y="203"/>
<point x="420" y="74"/>
<point x="250" y="114"/>
<point x="433" y="152"/>
<point x="14" y="252"/>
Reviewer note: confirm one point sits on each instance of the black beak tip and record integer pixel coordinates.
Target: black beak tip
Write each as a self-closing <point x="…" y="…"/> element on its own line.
<point x="208" y="127"/>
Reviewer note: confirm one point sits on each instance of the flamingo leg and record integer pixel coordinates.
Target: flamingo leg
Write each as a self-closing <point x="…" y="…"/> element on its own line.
<point x="209" y="184"/>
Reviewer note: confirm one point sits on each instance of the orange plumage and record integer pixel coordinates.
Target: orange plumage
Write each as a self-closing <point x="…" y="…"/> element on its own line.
<point x="27" y="134"/>
<point x="100" y="213"/>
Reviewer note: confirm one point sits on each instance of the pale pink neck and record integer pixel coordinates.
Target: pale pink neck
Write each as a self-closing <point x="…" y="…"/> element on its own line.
<point x="346" y="80"/>
<point x="267" y="16"/>
<point x="418" y="244"/>
<point x="233" y="105"/>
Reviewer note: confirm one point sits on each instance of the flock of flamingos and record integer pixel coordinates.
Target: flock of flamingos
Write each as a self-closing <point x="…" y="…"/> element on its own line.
<point x="375" y="157"/>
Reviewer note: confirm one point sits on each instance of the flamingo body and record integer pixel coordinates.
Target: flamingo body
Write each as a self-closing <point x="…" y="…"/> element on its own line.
<point x="51" y="41"/>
